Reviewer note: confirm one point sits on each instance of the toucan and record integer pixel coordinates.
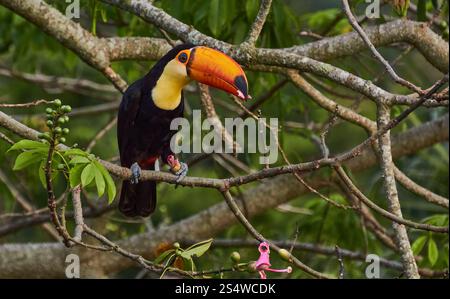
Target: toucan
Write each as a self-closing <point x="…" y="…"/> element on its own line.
<point x="150" y="104"/>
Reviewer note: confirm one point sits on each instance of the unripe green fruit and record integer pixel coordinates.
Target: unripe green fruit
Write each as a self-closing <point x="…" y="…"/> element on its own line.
<point x="57" y="130"/>
<point x="49" y="123"/>
<point x="62" y="139"/>
<point x="45" y="136"/>
<point x="176" y="245"/>
<point x="57" y="102"/>
<point x="66" y="118"/>
<point x="61" y="120"/>
<point x="60" y="166"/>
<point x="235" y="257"/>
<point x="66" y="108"/>
<point x="285" y="255"/>
<point x="49" y="110"/>
<point x="65" y="131"/>
<point x="443" y="24"/>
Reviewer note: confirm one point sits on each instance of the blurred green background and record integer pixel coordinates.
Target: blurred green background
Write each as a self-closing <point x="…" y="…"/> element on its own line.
<point x="25" y="48"/>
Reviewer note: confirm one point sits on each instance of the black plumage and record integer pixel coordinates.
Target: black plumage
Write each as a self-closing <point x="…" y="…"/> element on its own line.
<point x="144" y="135"/>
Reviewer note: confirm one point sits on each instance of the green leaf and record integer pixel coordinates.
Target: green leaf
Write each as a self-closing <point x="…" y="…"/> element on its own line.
<point x="110" y="186"/>
<point x="163" y="256"/>
<point x="433" y="253"/>
<point x="251" y="9"/>
<point x="94" y="18"/>
<point x="201" y="13"/>
<point x="190" y="261"/>
<point x="418" y="244"/>
<point x="214" y="17"/>
<point x="197" y="249"/>
<point x="75" y="152"/>
<point x="28" y="158"/>
<point x="75" y="175"/>
<point x="401" y="7"/>
<point x="104" y="15"/>
<point x="28" y="144"/>
<point x="79" y="160"/>
<point x="41" y="173"/>
<point x="422" y="10"/>
<point x="439" y="220"/>
<point x="99" y="182"/>
<point x="87" y="175"/>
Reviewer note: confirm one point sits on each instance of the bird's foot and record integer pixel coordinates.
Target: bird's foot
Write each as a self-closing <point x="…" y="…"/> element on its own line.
<point x="178" y="168"/>
<point x="135" y="173"/>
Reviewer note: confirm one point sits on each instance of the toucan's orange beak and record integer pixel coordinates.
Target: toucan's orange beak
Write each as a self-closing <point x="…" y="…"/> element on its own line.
<point x="214" y="68"/>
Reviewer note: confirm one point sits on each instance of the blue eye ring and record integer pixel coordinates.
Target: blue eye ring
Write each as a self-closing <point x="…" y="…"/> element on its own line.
<point x="182" y="57"/>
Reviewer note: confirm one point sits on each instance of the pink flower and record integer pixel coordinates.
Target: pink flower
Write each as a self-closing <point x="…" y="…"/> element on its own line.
<point x="263" y="263"/>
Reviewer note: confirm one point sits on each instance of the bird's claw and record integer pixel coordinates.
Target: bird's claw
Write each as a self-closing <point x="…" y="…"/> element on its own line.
<point x="178" y="168"/>
<point x="135" y="173"/>
<point x="182" y="172"/>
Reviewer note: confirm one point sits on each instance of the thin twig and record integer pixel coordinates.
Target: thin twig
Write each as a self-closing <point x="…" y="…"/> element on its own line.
<point x="25" y="204"/>
<point x="383" y="212"/>
<point x="25" y="105"/>
<point x="341" y="262"/>
<point x="101" y="133"/>
<point x="214" y="120"/>
<point x="316" y="249"/>
<point x="6" y="138"/>
<point x="375" y="52"/>
<point x="237" y="212"/>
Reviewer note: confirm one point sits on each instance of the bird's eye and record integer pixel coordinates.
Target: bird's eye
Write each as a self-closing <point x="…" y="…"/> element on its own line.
<point x="263" y="248"/>
<point x="183" y="57"/>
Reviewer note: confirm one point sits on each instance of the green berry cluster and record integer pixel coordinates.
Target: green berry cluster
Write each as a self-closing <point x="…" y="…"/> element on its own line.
<point x="56" y="118"/>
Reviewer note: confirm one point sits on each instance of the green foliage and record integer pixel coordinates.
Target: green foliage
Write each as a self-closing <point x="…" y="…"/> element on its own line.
<point x="24" y="48"/>
<point x="422" y="10"/>
<point x="419" y="244"/>
<point x="82" y="169"/>
<point x="433" y="253"/>
<point x="194" y="251"/>
<point x="401" y="7"/>
<point x="433" y="246"/>
<point x="229" y="20"/>
<point x="78" y="166"/>
<point x="86" y="170"/>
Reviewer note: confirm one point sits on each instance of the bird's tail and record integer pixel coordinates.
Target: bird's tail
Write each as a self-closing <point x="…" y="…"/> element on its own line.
<point x="138" y="199"/>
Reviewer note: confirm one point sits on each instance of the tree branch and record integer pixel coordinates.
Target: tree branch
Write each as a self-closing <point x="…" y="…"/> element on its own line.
<point x="386" y="161"/>
<point x="258" y="23"/>
<point x="49" y="258"/>
<point x="377" y="54"/>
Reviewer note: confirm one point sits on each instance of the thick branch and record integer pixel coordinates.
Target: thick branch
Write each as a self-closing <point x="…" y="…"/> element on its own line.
<point x="430" y="45"/>
<point x="70" y="34"/>
<point x="244" y="55"/>
<point x="387" y="166"/>
<point x="370" y="126"/>
<point x="389" y="69"/>
<point x="49" y="258"/>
